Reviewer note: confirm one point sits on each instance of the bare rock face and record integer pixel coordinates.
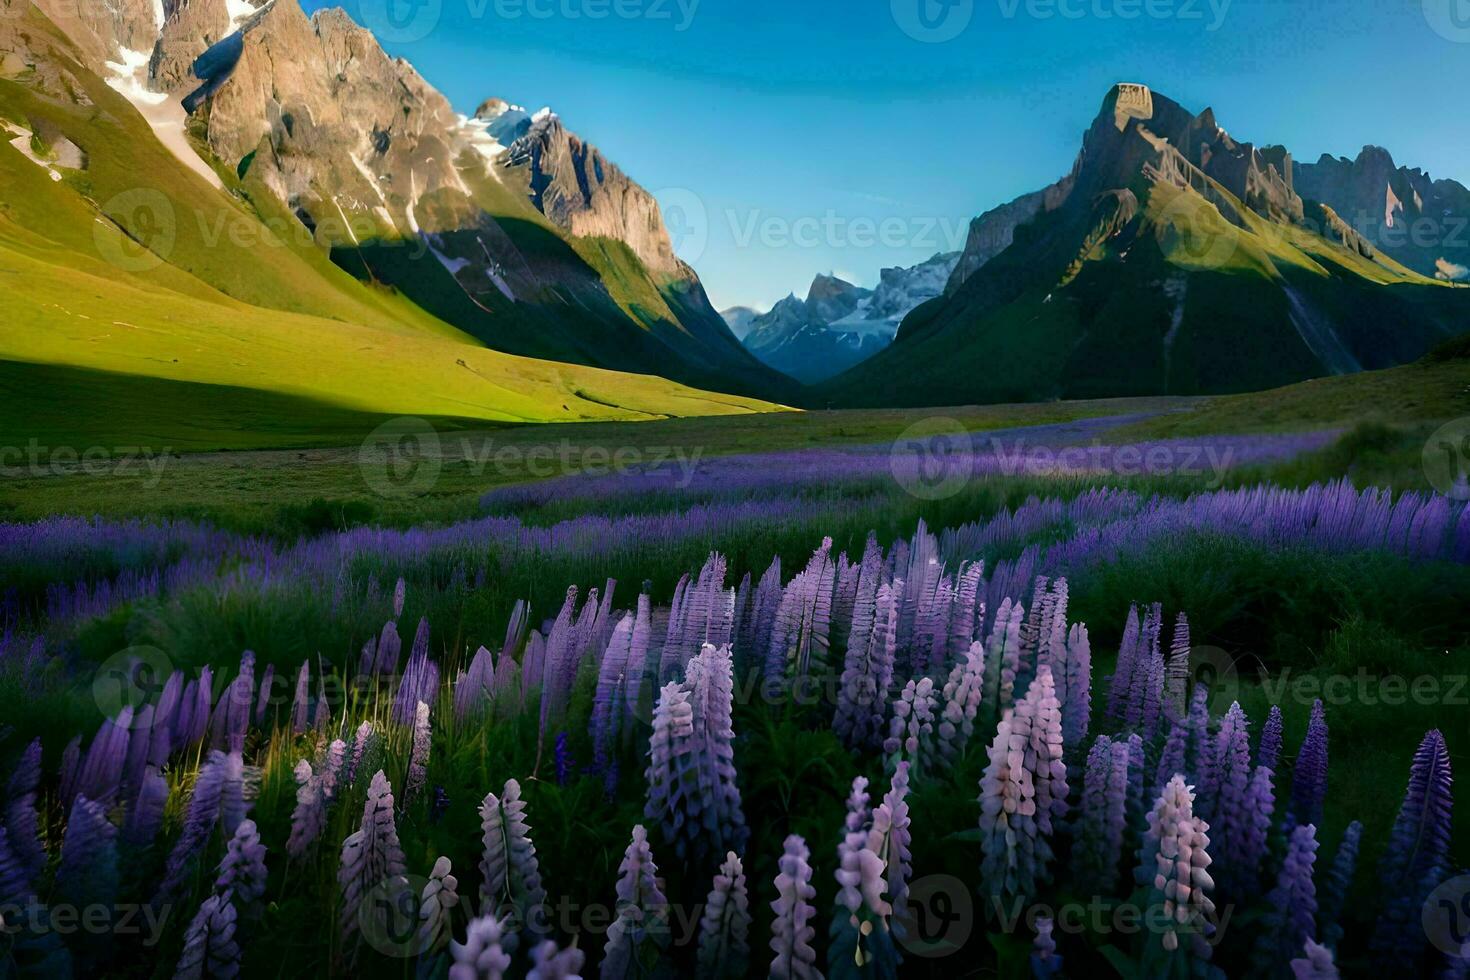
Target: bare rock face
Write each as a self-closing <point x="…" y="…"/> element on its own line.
<point x="575" y="186"/>
<point x="1420" y="222"/>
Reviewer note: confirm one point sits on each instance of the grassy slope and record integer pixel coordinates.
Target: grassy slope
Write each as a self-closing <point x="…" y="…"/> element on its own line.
<point x="1041" y="322"/>
<point x="238" y="304"/>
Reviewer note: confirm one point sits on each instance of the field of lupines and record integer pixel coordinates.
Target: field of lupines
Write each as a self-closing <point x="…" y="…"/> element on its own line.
<point x="752" y="739"/>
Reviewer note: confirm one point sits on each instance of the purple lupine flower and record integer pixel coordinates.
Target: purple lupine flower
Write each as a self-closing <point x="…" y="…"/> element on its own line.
<point x="1176" y="670"/>
<point x="1024" y="788"/>
<point x="145" y="816"/>
<point x="1045" y="962"/>
<point x="867" y="673"/>
<point x="1099" y="840"/>
<point x="484" y="954"/>
<point x="1176" y="854"/>
<point x="911" y="731"/>
<point x="550" y="962"/>
<point x="866" y="878"/>
<point x="1233" y="819"/>
<point x="1077" y="705"/>
<point x="710" y="679"/>
<point x="1291" y="919"/>
<point x="1309" y="781"/>
<point x="371" y="856"/>
<point x="1137" y="795"/>
<point x="439" y="897"/>
<point x="389" y="649"/>
<point x="222" y="786"/>
<point x="1337" y="884"/>
<point x="724" y="927"/>
<point x="511" y="874"/>
<point x="564" y="761"/>
<point x="672" y="782"/>
<point x="360" y="742"/>
<point x="301" y="703"/>
<point x="1201" y="764"/>
<point x="400" y="592"/>
<point x="961" y="699"/>
<point x="210" y="947"/>
<point x="616" y="681"/>
<point x="14" y="886"/>
<point x="1268" y="753"/>
<point x="791" y="930"/>
<point x="899" y="838"/>
<point x="1315" y="963"/>
<point x="87" y="875"/>
<point x="1416" y="858"/>
<point x="22" y="822"/>
<point x="1002" y="660"/>
<point x="1122" y="680"/>
<point x="420" y="681"/>
<point x="1148" y="694"/>
<point x="1253" y="840"/>
<point x="1172" y="756"/>
<point x="642" y="913"/>
<point x="418" y="759"/>
<point x="99" y="775"/>
<point x="263" y="699"/>
<point x="310" y="815"/>
<point x="242" y="871"/>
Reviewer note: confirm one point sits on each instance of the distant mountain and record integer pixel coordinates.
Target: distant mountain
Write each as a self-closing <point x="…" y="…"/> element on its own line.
<point x="1422" y="223"/>
<point x="1174" y="258"/>
<point x="839" y="324"/>
<point x="739" y="320"/>
<point x="505" y="224"/>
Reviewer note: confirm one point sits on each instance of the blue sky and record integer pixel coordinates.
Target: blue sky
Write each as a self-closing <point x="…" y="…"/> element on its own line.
<point x="793" y="137"/>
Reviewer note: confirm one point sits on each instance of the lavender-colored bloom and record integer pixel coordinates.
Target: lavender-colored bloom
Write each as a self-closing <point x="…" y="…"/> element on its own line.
<point x="21" y="820"/>
<point x="1309" y="781"/>
<point x="1122" y="680"/>
<point x="310" y="815"/>
<point x="99" y="776"/>
<point x="485" y="952"/>
<point x="439" y="897"/>
<point x="1176" y="671"/>
<point x="867" y="672"/>
<point x="791" y="931"/>
<point x="418" y="759"/>
<point x="724" y="928"/>
<point x="1175" y="849"/>
<point x="1268" y="753"/>
<point x="242" y="871"/>
<point x="1002" y="660"/>
<point x="911" y="732"/>
<point x="400" y="592"/>
<point x="617" y="684"/>
<point x="642" y="921"/>
<point x="1077" y="702"/>
<point x="1099" y="841"/>
<point x="1337" y="884"/>
<point x="550" y="962"/>
<point x="210" y="946"/>
<point x="710" y="681"/>
<point x="1417" y="857"/>
<point x="1315" y="963"/>
<point x="511" y="872"/>
<point x="1201" y="750"/>
<point x="564" y="761"/>
<point x="1233" y="817"/>
<point x="221" y="795"/>
<point x="1137" y="798"/>
<point x="360" y="742"/>
<point x="1045" y="962"/>
<point x="371" y="856"/>
<point x="420" y="681"/>
<point x="1291" y="919"/>
<point x="961" y="699"/>
<point x="301" y="703"/>
<point x="145" y="816"/>
<point x="87" y="875"/>
<point x="1172" y="756"/>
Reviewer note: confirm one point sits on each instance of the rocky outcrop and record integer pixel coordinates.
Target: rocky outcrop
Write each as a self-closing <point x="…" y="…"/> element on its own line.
<point x="1416" y="220"/>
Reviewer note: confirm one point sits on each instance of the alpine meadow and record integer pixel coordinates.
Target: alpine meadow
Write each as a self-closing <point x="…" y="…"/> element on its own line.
<point x="855" y="491"/>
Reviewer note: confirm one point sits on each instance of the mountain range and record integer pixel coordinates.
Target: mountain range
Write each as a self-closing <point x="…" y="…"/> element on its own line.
<point x="839" y="324"/>
<point x="1176" y="259"/>
<point x="243" y="155"/>
<point x="230" y="193"/>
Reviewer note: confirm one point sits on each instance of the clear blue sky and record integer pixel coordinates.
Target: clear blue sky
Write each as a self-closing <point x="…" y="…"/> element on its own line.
<point x="820" y="136"/>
